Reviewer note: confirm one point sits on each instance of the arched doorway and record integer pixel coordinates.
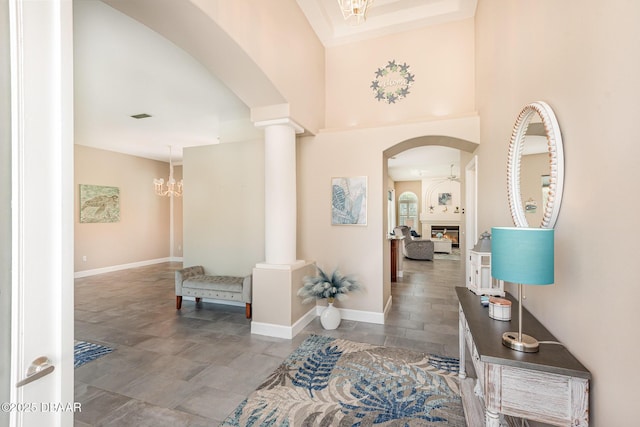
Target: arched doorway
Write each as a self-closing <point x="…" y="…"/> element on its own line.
<point x="441" y="216"/>
<point x="457" y="209"/>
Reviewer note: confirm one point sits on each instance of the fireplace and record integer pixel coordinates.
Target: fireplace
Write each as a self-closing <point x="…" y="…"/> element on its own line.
<point x="451" y="232"/>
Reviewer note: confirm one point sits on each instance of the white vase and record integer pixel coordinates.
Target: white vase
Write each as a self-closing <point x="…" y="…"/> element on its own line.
<point x="330" y="317"/>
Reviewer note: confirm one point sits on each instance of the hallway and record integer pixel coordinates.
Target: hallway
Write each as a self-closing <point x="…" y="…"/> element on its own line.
<point x="193" y="367"/>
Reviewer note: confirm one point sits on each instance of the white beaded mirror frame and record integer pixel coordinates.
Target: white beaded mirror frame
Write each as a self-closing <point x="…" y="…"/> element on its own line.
<point x="556" y="164"/>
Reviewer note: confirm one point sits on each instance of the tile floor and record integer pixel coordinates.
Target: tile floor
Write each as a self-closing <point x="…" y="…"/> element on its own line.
<point x="194" y="366"/>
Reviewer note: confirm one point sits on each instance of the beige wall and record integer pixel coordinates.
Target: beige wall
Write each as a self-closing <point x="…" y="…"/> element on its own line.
<point x="443" y="91"/>
<point x="224" y="207"/>
<point x="359" y="250"/>
<point x="287" y="51"/>
<point x="277" y="285"/>
<point x="441" y="57"/>
<point x="578" y="58"/>
<point x="143" y="231"/>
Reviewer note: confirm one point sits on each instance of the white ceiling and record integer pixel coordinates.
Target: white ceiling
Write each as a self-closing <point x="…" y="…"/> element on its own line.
<point x="384" y="17"/>
<point x="123" y="68"/>
<point x="424" y="162"/>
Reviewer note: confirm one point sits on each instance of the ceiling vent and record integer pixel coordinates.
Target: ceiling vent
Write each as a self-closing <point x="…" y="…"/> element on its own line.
<point x="141" y="116"/>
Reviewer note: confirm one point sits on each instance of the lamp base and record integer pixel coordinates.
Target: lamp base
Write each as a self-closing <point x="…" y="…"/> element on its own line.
<point x="528" y="344"/>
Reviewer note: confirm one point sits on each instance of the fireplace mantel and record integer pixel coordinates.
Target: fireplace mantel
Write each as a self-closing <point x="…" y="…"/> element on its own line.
<point x="441" y="218"/>
<point x="442" y="222"/>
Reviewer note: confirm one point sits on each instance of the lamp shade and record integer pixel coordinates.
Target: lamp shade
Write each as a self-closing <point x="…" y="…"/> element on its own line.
<point x="522" y="255"/>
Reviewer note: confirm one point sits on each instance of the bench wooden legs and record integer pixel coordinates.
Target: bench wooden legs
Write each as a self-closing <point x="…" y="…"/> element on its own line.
<point x="179" y="305"/>
<point x="179" y="301"/>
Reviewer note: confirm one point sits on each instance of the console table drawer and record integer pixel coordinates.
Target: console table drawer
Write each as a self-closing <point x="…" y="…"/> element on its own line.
<point x="523" y="392"/>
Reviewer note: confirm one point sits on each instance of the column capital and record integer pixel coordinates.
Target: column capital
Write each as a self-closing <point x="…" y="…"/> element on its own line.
<point x="281" y="121"/>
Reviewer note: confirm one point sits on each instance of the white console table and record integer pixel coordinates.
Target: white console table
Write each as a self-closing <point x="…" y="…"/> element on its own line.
<point x="550" y="386"/>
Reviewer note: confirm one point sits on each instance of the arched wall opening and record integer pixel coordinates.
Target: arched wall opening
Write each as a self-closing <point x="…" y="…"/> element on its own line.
<point x="427" y="140"/>
<point x="466" y="147"/>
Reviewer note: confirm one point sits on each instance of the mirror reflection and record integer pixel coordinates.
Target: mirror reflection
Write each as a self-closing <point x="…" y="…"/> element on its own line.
<point x="535" y="167"/>
<point x="534" y="172"/>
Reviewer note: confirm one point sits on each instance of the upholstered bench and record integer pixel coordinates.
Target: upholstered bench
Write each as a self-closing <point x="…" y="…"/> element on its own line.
<point x="192" y="281"/>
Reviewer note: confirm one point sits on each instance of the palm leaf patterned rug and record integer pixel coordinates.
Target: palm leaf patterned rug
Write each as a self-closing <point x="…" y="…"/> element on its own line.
<point x="335" y="382"/>
<point x="84" y="352"/>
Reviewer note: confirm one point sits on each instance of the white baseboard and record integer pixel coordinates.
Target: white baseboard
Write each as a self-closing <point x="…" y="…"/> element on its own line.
<point x="357" y="315"/>
<point x="280" y="331"/>
<point x="95" y="271"/>
<point x="288" y="332"/>
<point x="271" y="330"/>
<point x="387" y="307"/>
<point x="303" y="322"/>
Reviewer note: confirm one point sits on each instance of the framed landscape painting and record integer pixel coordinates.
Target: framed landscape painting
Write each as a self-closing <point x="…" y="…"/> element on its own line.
<point x="99" y="203"/>
<point x="349" y="201"/>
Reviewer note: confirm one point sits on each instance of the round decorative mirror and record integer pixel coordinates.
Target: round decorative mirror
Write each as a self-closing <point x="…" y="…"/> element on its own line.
<point x="535" y="172"/>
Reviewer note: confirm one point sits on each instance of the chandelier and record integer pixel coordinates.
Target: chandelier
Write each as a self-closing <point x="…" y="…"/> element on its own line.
<point x="354" y="11"/>
<point x="172" y="188"/>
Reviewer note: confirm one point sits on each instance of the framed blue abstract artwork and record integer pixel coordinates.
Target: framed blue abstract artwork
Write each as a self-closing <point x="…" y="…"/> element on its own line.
<point x="349" y="201"/>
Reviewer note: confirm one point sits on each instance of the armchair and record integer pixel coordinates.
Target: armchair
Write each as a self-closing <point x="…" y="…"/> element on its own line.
<point x="414" y="249"/>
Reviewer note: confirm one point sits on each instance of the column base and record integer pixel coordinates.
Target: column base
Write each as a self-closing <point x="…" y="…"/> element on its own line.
<point x="277" y="308"/>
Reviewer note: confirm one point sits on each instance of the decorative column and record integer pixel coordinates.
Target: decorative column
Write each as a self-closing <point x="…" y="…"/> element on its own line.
<point x="280" y="190"/>
<point x="277" y="310"/>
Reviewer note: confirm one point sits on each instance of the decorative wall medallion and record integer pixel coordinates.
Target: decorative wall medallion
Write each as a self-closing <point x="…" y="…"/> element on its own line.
<point x="392" y="82"/>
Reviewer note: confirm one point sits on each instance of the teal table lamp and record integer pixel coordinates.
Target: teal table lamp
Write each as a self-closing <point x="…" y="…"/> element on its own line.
<point x="523" y="256"/>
